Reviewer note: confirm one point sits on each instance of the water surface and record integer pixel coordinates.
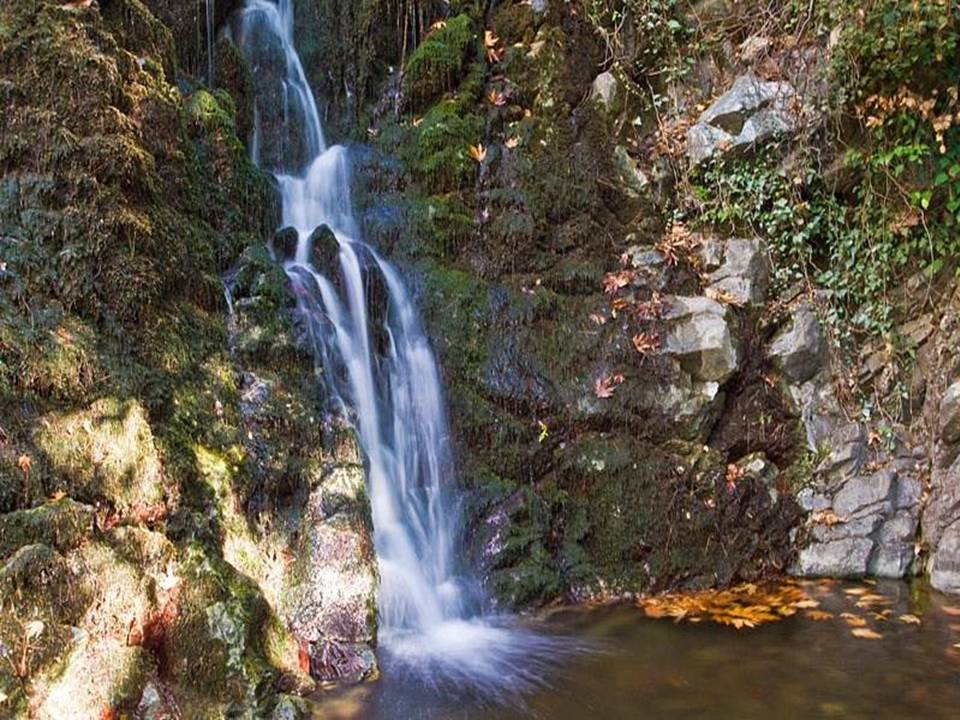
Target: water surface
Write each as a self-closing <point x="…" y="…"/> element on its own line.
<point x="656" y="669"/>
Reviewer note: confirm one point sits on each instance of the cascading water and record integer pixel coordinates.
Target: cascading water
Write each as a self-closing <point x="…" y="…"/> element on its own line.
<point x="377" y="363"/>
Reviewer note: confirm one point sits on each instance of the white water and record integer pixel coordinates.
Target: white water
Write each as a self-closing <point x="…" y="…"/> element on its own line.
<point x="377" y="363"/>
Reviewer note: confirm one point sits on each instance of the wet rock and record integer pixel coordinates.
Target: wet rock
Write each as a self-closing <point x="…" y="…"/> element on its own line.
<point x="751" y="111"/>
<point x="324" y="249"/>
<point x="329" y="595"/>
<point x="744" y="273"/>
<point x="699" y="336"/>
<point x="800" y="349"/>
<point x="285" y="243"/>
<point x="840" y="558"/>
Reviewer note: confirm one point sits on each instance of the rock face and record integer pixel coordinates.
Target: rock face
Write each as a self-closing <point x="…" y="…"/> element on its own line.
<point x="751" y="111"/>
<point x="743" y="274"/>
<point x="800" y="350"/>
<point x="699" y="336"/>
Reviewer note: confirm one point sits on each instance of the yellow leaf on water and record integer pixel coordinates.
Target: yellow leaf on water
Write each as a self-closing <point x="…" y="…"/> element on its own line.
<point x="853" y="620"/>
<point x="950" y="610"/>
<point x="909" y="619"/>
<point x="819" y="615"/>
<point x="856" y="591"/>
<point x="866" y="634"/>
<point x="806" y="604"/>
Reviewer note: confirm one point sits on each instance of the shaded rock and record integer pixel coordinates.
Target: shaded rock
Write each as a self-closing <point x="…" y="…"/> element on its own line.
<point x="950" y="414"/>
<point x="800" y="349"/>
<point x="285" y="243"/>
<point x="751" y="111"/>
<point x="699" y="336"/>
<point x="63" y="525"/>
<point x="606" y="91"/>
<point x="860" y="494"/>
<point x="324" y="249"/>
<point x="744" y="273"/>
<point x="758" y="466"/>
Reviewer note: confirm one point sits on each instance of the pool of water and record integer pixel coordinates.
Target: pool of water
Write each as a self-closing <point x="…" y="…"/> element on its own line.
<point x="626" y="665"/>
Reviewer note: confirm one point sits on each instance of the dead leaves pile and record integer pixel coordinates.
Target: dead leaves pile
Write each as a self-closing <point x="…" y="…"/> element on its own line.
<point x="744" y="606"/>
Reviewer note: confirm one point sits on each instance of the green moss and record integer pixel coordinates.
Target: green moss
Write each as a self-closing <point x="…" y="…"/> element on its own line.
<point x="437" y="151"/>
<point x="105" y="452"/>
<point x="62" y="524"/>
<point x="437" y="63"/>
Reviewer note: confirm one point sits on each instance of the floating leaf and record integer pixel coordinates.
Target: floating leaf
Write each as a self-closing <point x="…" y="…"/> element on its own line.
<point x="909" y="619"/>
<point x="853" y="620"/>
<point x="950" y="610"/>
<point x="856" y="591"/>
<point x="743" y="606"/>
<point x="807" y="603"/>
<point x="866" y="634"/>
<point x="819" y="615"/>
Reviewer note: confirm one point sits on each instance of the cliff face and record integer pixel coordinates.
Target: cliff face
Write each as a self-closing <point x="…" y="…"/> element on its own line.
<point x="679" y="291"/>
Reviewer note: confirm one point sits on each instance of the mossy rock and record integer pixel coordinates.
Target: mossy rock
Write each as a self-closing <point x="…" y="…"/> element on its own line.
<point x="105" y="452"/>
<point x="437" y="63"/>
<point x="62" y="524"/>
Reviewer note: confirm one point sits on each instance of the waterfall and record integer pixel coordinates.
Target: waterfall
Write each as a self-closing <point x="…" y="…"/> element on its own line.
<point x="376" y="362"/>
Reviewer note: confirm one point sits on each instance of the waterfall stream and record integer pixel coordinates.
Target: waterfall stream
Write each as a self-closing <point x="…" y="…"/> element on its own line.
<point x="378" y="365"/>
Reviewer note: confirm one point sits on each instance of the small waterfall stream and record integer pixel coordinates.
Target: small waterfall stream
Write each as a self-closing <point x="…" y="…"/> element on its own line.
<point x="377" y="363"/>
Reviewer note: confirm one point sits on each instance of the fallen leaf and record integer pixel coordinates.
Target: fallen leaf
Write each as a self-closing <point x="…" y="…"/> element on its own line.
<point x="645" y="343"/>
<point x="604" y="386"/>
<point x="819" y="615"/>
<point x="24" y="463"/>
<point x="478" y="152"/>
<point x="808" y="603"/>
<point x="512" y="142"/>
<point x="856" y="591"/>
<point x="853" y="620"/>
<point x="909" y="619"/>
<point x="866" y="634"/>
<point x="950" y="610"/>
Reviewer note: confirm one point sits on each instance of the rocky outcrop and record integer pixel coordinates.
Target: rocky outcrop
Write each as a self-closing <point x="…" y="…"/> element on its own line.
<point x="751" y="111"/>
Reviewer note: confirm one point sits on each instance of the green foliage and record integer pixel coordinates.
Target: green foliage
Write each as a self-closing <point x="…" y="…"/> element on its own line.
<point x="437" y="151"/>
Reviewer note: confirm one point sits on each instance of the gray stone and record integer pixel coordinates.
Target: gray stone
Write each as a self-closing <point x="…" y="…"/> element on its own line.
<point x="945" y="572"/>
<point x="894" y="551"/>
<point x="606" y="91"/>
<point x="700" y="337"/>
<point x="744" y="274"/>
<point x="950" y="414"/>
<point x="800" y="350"/>
<point x="862" y="494"/>
<point x="841" y="558"/>
<point x="752" y="110"/>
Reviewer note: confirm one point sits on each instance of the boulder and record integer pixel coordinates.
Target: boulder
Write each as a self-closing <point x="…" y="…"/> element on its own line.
<point x="699" y="336"/>
<point x="607" y="92"/>
<point x="285" y="243"/>
<point x="800" y="350"/>
<point x="751" y="111"/>
<point x="744" y="273"/>
<point x="324" y="249"/>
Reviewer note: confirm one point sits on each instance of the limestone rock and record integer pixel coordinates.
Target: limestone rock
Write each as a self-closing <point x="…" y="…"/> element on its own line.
<point x="840" y="558"/>
<point x="800" y="349"/>
<point x="699" y="336"/>
<point x="751" y="111"/>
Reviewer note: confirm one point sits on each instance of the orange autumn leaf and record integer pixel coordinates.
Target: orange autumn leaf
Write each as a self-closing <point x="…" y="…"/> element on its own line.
<point x="604" y="386"/>
<point x="24" y="463"/>
<point x="819" y="615"/>
<point x="478" y="152"/>
<point x="853" y="620"/>
<point x="950" y="610"/>
<point x="866" y="634"/>
<point x="909" y="619"/>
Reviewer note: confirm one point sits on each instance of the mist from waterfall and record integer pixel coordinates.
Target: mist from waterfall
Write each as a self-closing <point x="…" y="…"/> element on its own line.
<point x="376" y="362"/>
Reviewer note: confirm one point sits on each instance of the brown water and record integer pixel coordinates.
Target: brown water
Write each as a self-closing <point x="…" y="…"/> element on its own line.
<point x="655" y="669"/>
